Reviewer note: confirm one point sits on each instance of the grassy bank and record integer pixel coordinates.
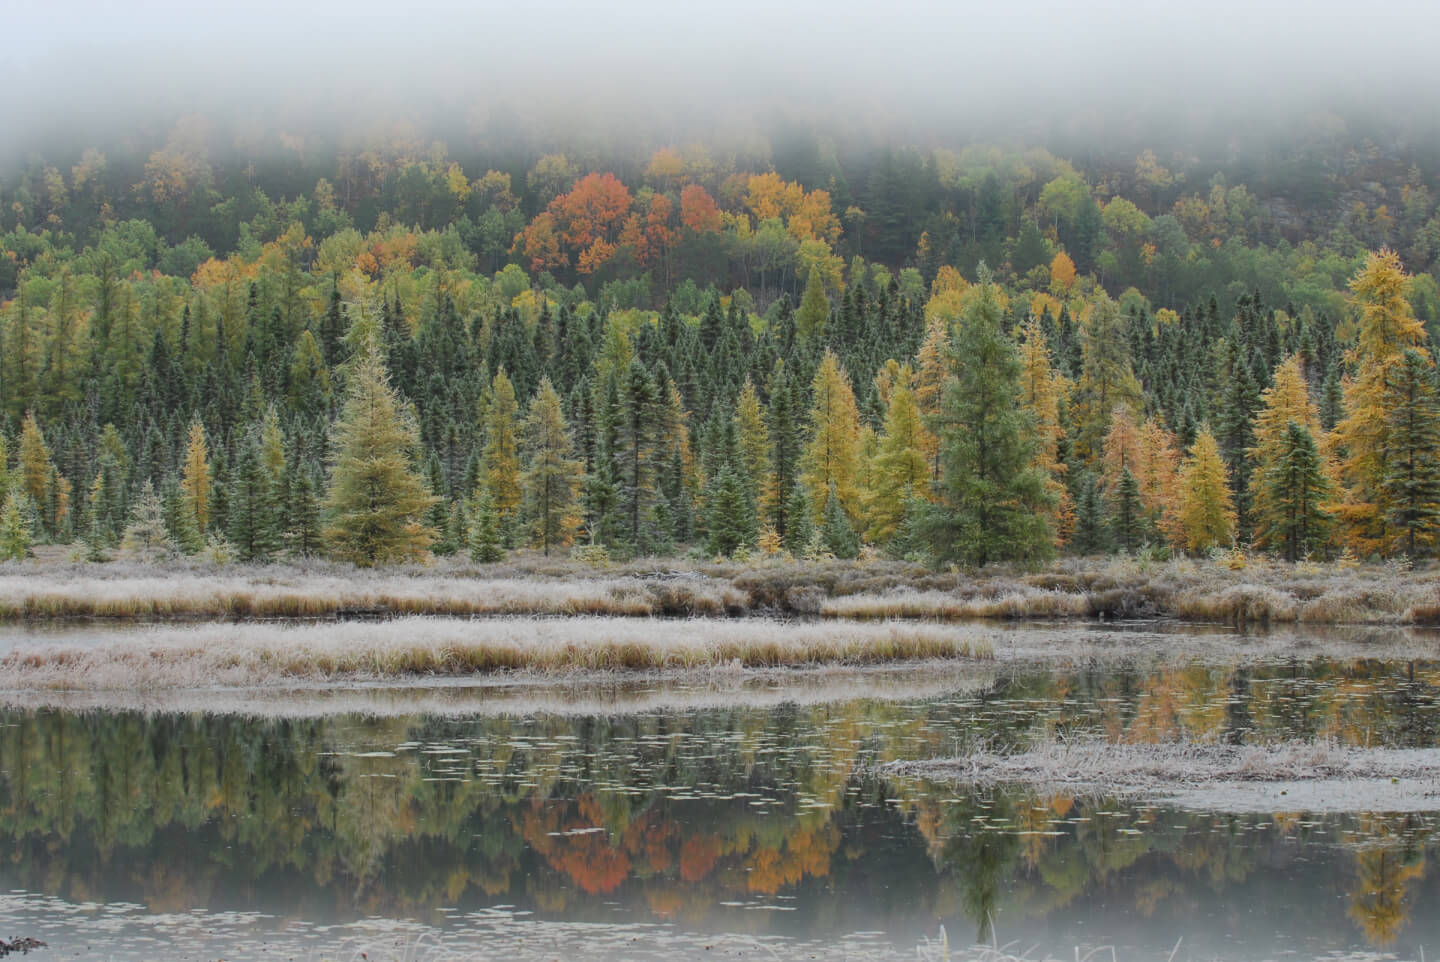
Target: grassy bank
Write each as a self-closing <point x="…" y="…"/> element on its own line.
<point x="1255" y="592"/>
<point x="241" y="655"/>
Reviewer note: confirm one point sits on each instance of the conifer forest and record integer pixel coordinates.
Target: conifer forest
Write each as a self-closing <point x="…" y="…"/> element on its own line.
<point x="386" y="347"/>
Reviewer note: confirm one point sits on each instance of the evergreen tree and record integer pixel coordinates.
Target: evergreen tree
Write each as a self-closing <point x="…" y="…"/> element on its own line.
<point x="180" y="523"/>
<point x="16" y="533"/>
<point x="1127" y="514"/>
<point x="814" y="312"/>
<point x="146" y="537"/>
<point x="1290" y="514"/>
<point x="1091" y="536"/>
<point x="836" y="532"/>
<point x="993" y="501"/>
<point x="487" y="545"/>
<point x="730" y="514"/>
<point x="253" y="524"/>
<point x="639" y="434"/>
<point x="1411" y="486"/>
<point x="376" y="498"/>
<point x="801" y="528"/>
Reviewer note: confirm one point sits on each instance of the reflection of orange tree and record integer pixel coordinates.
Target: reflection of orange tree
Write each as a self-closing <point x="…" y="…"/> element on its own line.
<point x="573" y="839"/>
<point x="803" y="852"/>
<point x="1385" y="865"/>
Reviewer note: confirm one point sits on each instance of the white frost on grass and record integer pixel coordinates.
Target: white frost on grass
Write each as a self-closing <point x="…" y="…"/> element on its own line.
<point x="1292" y="775"/>
<point x="251" y="654"/>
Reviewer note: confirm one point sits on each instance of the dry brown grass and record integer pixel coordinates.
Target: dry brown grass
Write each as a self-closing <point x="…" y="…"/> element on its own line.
<point x="261" y="654"/>
<point x="1261" y="593"/>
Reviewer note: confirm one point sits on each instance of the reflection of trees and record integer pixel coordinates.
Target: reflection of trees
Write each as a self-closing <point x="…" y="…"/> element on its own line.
<point x="662" y="812"/>
<point x="1387" y="862"/>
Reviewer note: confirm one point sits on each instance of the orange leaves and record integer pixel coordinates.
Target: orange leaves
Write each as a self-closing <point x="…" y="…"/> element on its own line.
<point x="539" y="244"/>
<point x="593" y="211"/>
<point x="698" y="210"/>
<point x="806" y="215"/>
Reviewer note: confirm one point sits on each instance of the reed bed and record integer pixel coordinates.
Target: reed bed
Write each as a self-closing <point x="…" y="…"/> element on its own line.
<point x="264" y="654"/>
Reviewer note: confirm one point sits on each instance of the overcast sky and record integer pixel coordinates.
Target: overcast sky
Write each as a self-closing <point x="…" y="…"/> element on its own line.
<point x="69" y="63"/>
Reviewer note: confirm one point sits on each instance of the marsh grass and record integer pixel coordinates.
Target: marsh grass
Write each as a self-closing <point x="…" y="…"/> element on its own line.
<point x="1261" y="593"/>
<point x="266" y="654"/>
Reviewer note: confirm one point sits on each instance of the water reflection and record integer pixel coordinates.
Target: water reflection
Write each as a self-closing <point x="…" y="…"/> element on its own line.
<point x="766" y="820"/>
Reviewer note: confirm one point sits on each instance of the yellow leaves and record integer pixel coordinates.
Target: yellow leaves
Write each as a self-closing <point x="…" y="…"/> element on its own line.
<point x="1206" y="511"/>
<point x="456" y="182"/>
<point x="806" y="216"/>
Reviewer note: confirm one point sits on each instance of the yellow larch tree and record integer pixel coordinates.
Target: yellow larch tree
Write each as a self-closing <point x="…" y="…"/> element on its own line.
<point x="35" y="464"/>
<point x="501" y="455"/>
<point x="1286" y="399"/>
<point x="1385" y="328"/>
<point x="754" y="440"/>
<point x="1042" y="392"/>
<point x="832" y="455"/>
<point x="1206" y="511"/>
<point x="196" y="482"/>
<point x="930" y="374"/>
<point x="899" y="471"/>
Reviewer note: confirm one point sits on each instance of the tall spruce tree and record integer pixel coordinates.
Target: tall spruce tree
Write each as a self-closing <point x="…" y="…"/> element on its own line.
<point x="1411" y="485"/>
<point x="993" y="502"/>
<point x="1291" y="514"/>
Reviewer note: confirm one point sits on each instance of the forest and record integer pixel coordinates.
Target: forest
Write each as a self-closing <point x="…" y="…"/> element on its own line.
<point x="254" y="344"/>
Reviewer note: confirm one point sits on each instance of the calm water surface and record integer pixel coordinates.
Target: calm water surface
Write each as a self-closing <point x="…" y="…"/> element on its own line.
<point x="130" y="835"/>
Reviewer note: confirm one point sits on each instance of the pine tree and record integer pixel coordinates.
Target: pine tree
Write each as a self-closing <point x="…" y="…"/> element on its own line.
<point x="376" y="497"/>
<point x="146" y="537"/>
<point x="1206" y="510"/>
<point x="1291" y="490"/>
<point x="487" y="545"/>
<point x="993" y="502"/>
<point x="304" y="535"/>
<point x="636" y="455"/>
<point x="552" y="479"/>
<point x="1411" y="486"/>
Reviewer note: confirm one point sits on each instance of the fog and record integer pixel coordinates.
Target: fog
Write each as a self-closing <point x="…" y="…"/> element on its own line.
<point x="77" y="72"/>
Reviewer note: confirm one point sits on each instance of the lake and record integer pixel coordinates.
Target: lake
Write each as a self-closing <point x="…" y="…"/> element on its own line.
<point x="652" y="819"/>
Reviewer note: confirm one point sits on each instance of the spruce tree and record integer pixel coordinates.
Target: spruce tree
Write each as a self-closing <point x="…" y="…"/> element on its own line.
<point x="253" y="529"/>
<point x="1295" y="488"/>
<point x="552" y="478"/>
<point x="800" y="530"/>
<point x="836" y="532"/>
<point x="376" y="498"/>
<point x="1127" y="513"/>
<point x="16" y="534"/>
<point x="487" y="544"/>
<point x="993" y="501"/>
<point x="1411" y="485"/>
<point x="146" y="537"/>
<point x="730" y="513"/>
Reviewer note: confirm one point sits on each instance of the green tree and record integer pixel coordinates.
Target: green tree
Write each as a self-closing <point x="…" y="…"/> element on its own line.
<point x="1127" y="514"/>
<point x="146" y="537"/>
<point x="730" y="512"/>
<point x="16" y="533"/>
<point x="814" y="312"/>
<point x="254" y="528"/>
<point x="993" y="501"/>
<point x="376" y="497"/>
<point x="487" y="545"/>
<point x="1292" y="516"/>
<point x="836" y="532"/>
<point x="552" y="478"/>
<point x="1411" y="486"/>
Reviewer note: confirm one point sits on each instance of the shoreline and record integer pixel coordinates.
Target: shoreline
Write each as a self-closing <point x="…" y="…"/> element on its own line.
<point x="1260" y="594"/>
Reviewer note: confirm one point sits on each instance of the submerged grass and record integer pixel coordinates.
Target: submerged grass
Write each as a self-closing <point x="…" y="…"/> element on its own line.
<point x="257" y="654"/>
